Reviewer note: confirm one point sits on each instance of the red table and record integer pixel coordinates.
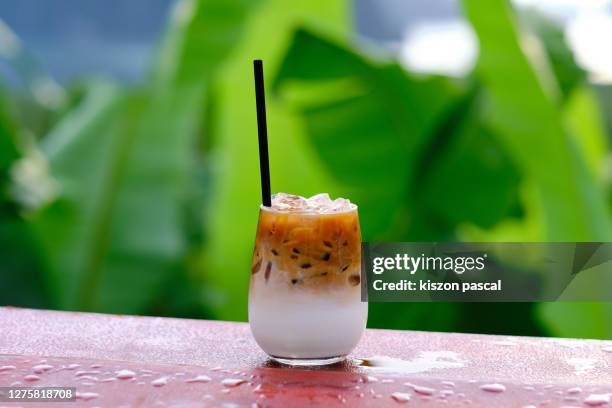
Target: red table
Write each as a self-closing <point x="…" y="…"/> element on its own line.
<point x="147" y="361"/>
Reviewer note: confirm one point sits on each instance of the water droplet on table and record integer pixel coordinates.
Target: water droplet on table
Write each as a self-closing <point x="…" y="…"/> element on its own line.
<point x="199" y="379"/>
<point x="88" y="377"/>
<point x="422" y="390"/>
<point x="160" y="382"/>
<point x="41" y="368"/>
<point x="494" y="387"/>
<point x="7" y="368"/>
<point x="31" y="378"/>
<point x="86" y="396"/>
<point x="125" y="374"/>
<point x="401" y="397"/>
<point x="596" y="400"/>
<point x="233" y="382"/>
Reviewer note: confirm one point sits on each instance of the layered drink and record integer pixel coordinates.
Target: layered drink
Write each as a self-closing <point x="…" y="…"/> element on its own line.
<point x="305" y="303"/>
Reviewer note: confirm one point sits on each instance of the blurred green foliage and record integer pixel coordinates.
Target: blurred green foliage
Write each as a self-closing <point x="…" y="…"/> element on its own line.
<point x="144" y="199"/>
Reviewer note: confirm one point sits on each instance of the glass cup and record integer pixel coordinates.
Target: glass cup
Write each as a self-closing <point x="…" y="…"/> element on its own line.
<point x="305" y="303"/>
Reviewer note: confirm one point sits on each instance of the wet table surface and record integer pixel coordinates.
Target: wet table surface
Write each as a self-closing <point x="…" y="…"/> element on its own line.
<point x="159" y="362"/>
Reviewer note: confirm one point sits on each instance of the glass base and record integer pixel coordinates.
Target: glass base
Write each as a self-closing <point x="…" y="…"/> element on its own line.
<point x="306" y="362"/>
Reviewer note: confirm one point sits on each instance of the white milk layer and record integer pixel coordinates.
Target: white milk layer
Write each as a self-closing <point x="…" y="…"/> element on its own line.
<point x="289" y="324"/>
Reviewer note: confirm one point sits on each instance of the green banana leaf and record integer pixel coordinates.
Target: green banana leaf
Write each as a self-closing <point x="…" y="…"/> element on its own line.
<point x="531" y="127"/>
<point x="551" y="147"/>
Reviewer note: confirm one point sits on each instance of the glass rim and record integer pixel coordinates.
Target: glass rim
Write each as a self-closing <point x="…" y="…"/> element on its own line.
<point x="354" y="208"/>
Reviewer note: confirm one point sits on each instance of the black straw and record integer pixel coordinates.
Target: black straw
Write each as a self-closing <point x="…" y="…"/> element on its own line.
<point x="262" y="130"/>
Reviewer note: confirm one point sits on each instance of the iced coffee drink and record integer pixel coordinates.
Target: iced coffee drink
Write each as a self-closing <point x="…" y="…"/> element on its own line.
<point x="305" y="295"/>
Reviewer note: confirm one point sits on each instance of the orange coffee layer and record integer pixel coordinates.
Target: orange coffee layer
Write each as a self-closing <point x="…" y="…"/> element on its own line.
<point x="309" y="251"/>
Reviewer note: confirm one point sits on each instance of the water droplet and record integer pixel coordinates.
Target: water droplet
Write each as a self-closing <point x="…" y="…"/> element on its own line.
<point x="447" y="393"/>
<point x="387" y="381"/>
<point x="7" y="368"/>
<point x="216" y="369"/>
<point x="96" y="366"/>
<point x="111" y="379"/>
<point x="41" y="368"/>
<point x="607" y="349"/>
<point x="233" y="382"/>
<point x="361" y="395"/>
<point x="160" y="382"/>
<point x="449" y="384"/>
<point x="530" y="406"/>
<point x="88" y="377"/>
<point x="125" y="374"/>
<point x="72" y="366"/>
<point x="86" y="396"/>
<point x="225" y="391"/>
<point x="574" y="390"/>
<point x="422" y="390"/>
<point x="493" y="387"/>
<point x="401" y="397"/>
<point x="425" y="361"/>
<point x="529" y="388"/>
<point x="370" y="379"/>
<point x="31" y="378"/>
<point x="199" y="379"/>
<point x="596" y="400"/>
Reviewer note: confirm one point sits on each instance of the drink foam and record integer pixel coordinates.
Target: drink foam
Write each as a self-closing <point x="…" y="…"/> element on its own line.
<point x="317" y="204"/>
